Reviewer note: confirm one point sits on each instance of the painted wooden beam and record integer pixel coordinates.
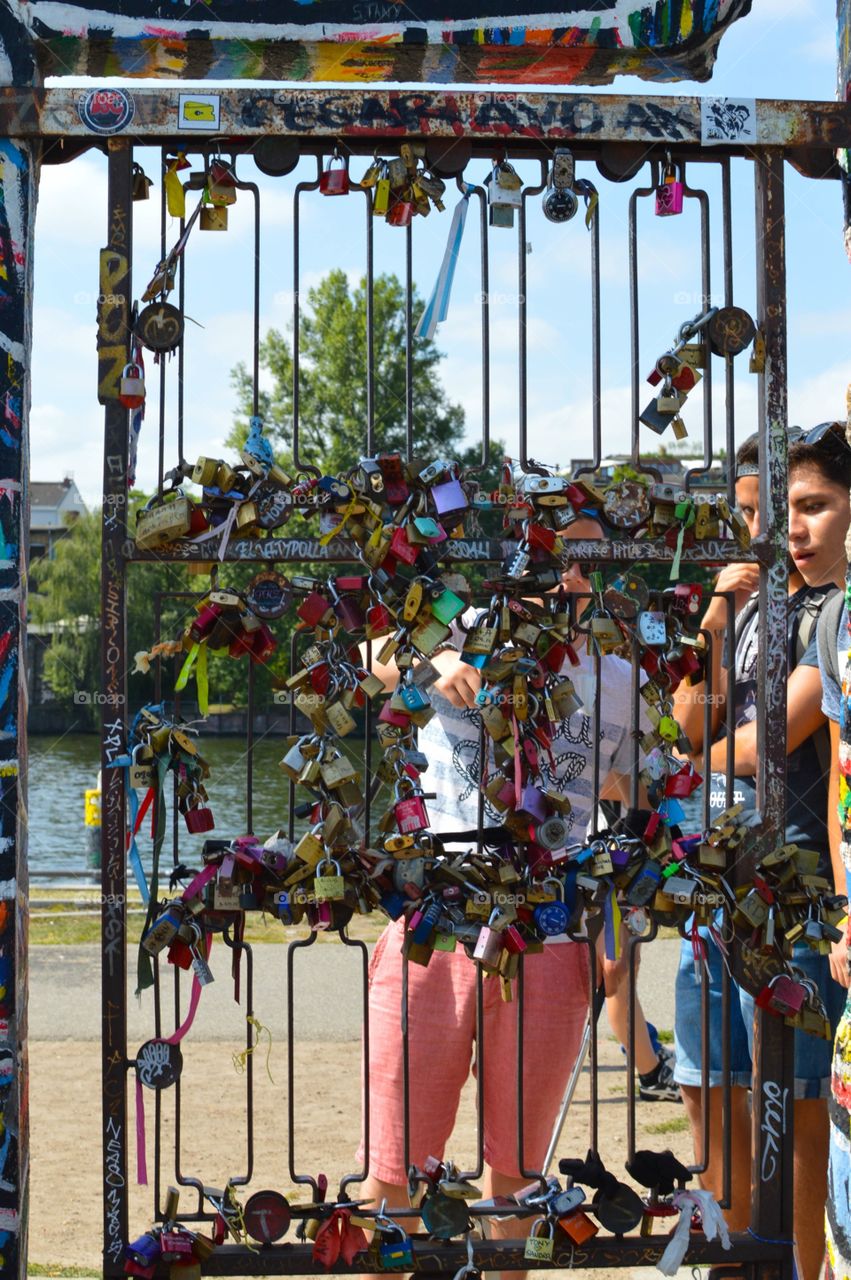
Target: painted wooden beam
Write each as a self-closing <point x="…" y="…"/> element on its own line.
<point x="352" y="41"/>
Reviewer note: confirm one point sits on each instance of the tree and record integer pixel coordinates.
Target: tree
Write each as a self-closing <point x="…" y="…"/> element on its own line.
<point x="332" y="380"/>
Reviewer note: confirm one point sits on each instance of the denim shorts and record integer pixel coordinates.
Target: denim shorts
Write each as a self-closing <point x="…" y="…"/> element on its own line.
<point x="813" y="1056"/>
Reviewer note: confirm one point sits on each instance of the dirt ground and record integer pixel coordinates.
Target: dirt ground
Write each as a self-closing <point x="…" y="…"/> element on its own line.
<point x="65" y="1215"/>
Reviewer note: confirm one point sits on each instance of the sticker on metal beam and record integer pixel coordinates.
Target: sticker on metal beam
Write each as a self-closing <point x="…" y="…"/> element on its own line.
<point x="199" y="111"/>
<point x="727" y="120"/>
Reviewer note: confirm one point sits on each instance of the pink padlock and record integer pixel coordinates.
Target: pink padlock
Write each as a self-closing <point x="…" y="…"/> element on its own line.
<point x="669" y="196"/>
<point x="409" y="809"/>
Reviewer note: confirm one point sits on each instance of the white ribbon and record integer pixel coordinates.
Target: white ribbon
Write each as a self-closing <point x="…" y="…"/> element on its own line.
<point x="437" y="306"/>
<point x="713" y="1224"/>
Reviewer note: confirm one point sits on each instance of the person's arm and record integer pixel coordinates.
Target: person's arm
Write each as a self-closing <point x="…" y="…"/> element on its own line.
<point x="803" y="716"/>
<point x="458" y="682"/>
<point x="838" y="950"/>
<point x="690" y="700"/>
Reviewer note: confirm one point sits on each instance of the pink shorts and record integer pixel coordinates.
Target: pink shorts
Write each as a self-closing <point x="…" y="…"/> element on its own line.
<point x="442" y="1029"/>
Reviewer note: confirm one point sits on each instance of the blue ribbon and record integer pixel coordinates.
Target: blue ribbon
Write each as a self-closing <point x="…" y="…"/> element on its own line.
<point x="133" y="855"/>
<point x="437" y="306"/>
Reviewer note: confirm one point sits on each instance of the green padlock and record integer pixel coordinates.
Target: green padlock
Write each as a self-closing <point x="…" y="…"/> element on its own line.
<point x="446" y="606"/>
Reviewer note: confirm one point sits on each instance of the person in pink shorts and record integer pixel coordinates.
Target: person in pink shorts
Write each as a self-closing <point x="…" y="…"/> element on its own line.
<point x="441" y="1001"/>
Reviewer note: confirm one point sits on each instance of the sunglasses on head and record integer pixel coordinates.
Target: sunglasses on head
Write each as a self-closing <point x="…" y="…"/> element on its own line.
<point x="824" y="433"/>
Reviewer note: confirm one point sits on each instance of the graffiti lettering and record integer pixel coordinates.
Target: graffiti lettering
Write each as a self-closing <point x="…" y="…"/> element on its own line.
<point x="773" y="1127"/>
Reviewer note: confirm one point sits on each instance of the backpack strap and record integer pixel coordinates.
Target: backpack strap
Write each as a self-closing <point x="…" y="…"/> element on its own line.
<point x="828" y="634"/>
<point x="809" y="619"/>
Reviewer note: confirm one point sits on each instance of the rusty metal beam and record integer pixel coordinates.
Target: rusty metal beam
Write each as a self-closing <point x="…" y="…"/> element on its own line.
<point x="364" y="116"/>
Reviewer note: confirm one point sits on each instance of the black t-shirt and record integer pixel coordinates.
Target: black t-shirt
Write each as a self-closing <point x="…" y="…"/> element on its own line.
<point x="806" y="784"/>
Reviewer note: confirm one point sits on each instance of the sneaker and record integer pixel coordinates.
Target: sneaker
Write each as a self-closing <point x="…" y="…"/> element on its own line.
<point x="658" y="1085"/>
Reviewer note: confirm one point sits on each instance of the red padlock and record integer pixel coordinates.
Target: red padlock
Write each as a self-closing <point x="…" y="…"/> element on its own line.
<point x="205" y="622"/>
<point x="314" y="608"/>
<point x="199" y="820"/>
<point x="400" y="214"/>
<point x="335" y="181"/>
<point x="409" y="809"/>
<point x="132" y="389"/>
<point x="401" y="548"/>
<point x="783" y="996"/>
<point x="263" y="644"/>
<point x="682" y="783"/>
<point x="379" y="621"/>
<point x="388" y="716"/>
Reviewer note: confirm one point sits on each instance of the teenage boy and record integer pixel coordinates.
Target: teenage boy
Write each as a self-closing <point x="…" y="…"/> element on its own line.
<point x="442" y="996"/>
<point x="834" y="644"/>
<point x="819" y="478"/>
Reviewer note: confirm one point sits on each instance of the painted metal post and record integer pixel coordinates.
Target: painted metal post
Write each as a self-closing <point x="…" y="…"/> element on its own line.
<point x="773" y="1134"/>
<point x="113" y="334"/>
<point x="18" y="190"/>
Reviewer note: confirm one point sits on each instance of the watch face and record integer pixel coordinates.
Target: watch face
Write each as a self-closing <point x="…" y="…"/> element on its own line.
<point x="268" y="594"/>
<point x="159" y="326"/>
<point x="158" y="1064"/>
<point x="267" y="1216"/>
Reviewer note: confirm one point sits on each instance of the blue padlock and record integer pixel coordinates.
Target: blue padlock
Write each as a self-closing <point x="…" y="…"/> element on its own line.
<point x="552" y="918"/>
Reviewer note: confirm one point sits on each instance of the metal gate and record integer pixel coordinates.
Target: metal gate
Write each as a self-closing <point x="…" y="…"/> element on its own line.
<point x="634" y="141"/>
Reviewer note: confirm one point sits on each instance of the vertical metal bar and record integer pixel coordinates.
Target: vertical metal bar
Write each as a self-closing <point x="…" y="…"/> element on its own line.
<point x="116" y="262"/>
<point x="409" y="343"/>
<point x="729" y="378"/>
<point x="634" y="322"/>
<point x="162" y="363"/>
<point x="706" y="294"/>
<point x="486" y="323"/>
<point x="370" y="338"/>
<point x="181" y="350"/>
<point x="773" y="1124"/>
<point x="522" y="309"/>
<point x="593" y="1065"/>
<point x="298" y="464"/>
<point x="249" y="753"/>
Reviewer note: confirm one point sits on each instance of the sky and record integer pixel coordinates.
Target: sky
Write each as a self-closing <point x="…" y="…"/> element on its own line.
<point x="784" y="49"/>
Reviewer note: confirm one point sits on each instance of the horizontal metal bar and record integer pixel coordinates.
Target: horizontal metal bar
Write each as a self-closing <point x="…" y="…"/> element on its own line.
<point x="627" y="1251"/>
<point x="154" y="113"/>
<point x="469" y="550"/>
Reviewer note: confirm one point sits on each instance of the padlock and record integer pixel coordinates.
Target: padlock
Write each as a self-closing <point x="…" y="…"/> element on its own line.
<point x="198" y="819"/>
<point x="132" y="389"/>
<point x="783" y="996"/>
<point x="540" y="1247"/>
<point x="397" y="1252"/>
<point x="669" y="195"/>
<point x="141" y="773"/>
<point x="449" y="498"/>
<point x="161" y="521"/>
<point x="334" y="180"/>
<point x="213" y="218"/>
<point x="164" y="929"/>
<point x="329" y="887"/>
<point x="409" y="809"/>
<point x="400" y="213"/>
<point x="552" y="918"/>
<point x="221" y="184"/>
<point x="489" y="942"/>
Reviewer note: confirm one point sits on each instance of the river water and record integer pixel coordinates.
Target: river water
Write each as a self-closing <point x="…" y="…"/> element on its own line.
<point x="61" y="770"/>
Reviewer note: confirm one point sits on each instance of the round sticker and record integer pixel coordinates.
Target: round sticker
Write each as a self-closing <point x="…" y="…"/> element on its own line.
<point x="106" y="110"/>
<point x="267" y="1216"/>
<point x="268" y="594"/>
<point x="159" y="1064"/>
<point x="159" y="326"/>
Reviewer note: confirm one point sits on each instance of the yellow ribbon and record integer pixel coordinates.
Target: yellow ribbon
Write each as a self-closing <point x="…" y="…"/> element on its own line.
<point x="240" y="1060"/>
